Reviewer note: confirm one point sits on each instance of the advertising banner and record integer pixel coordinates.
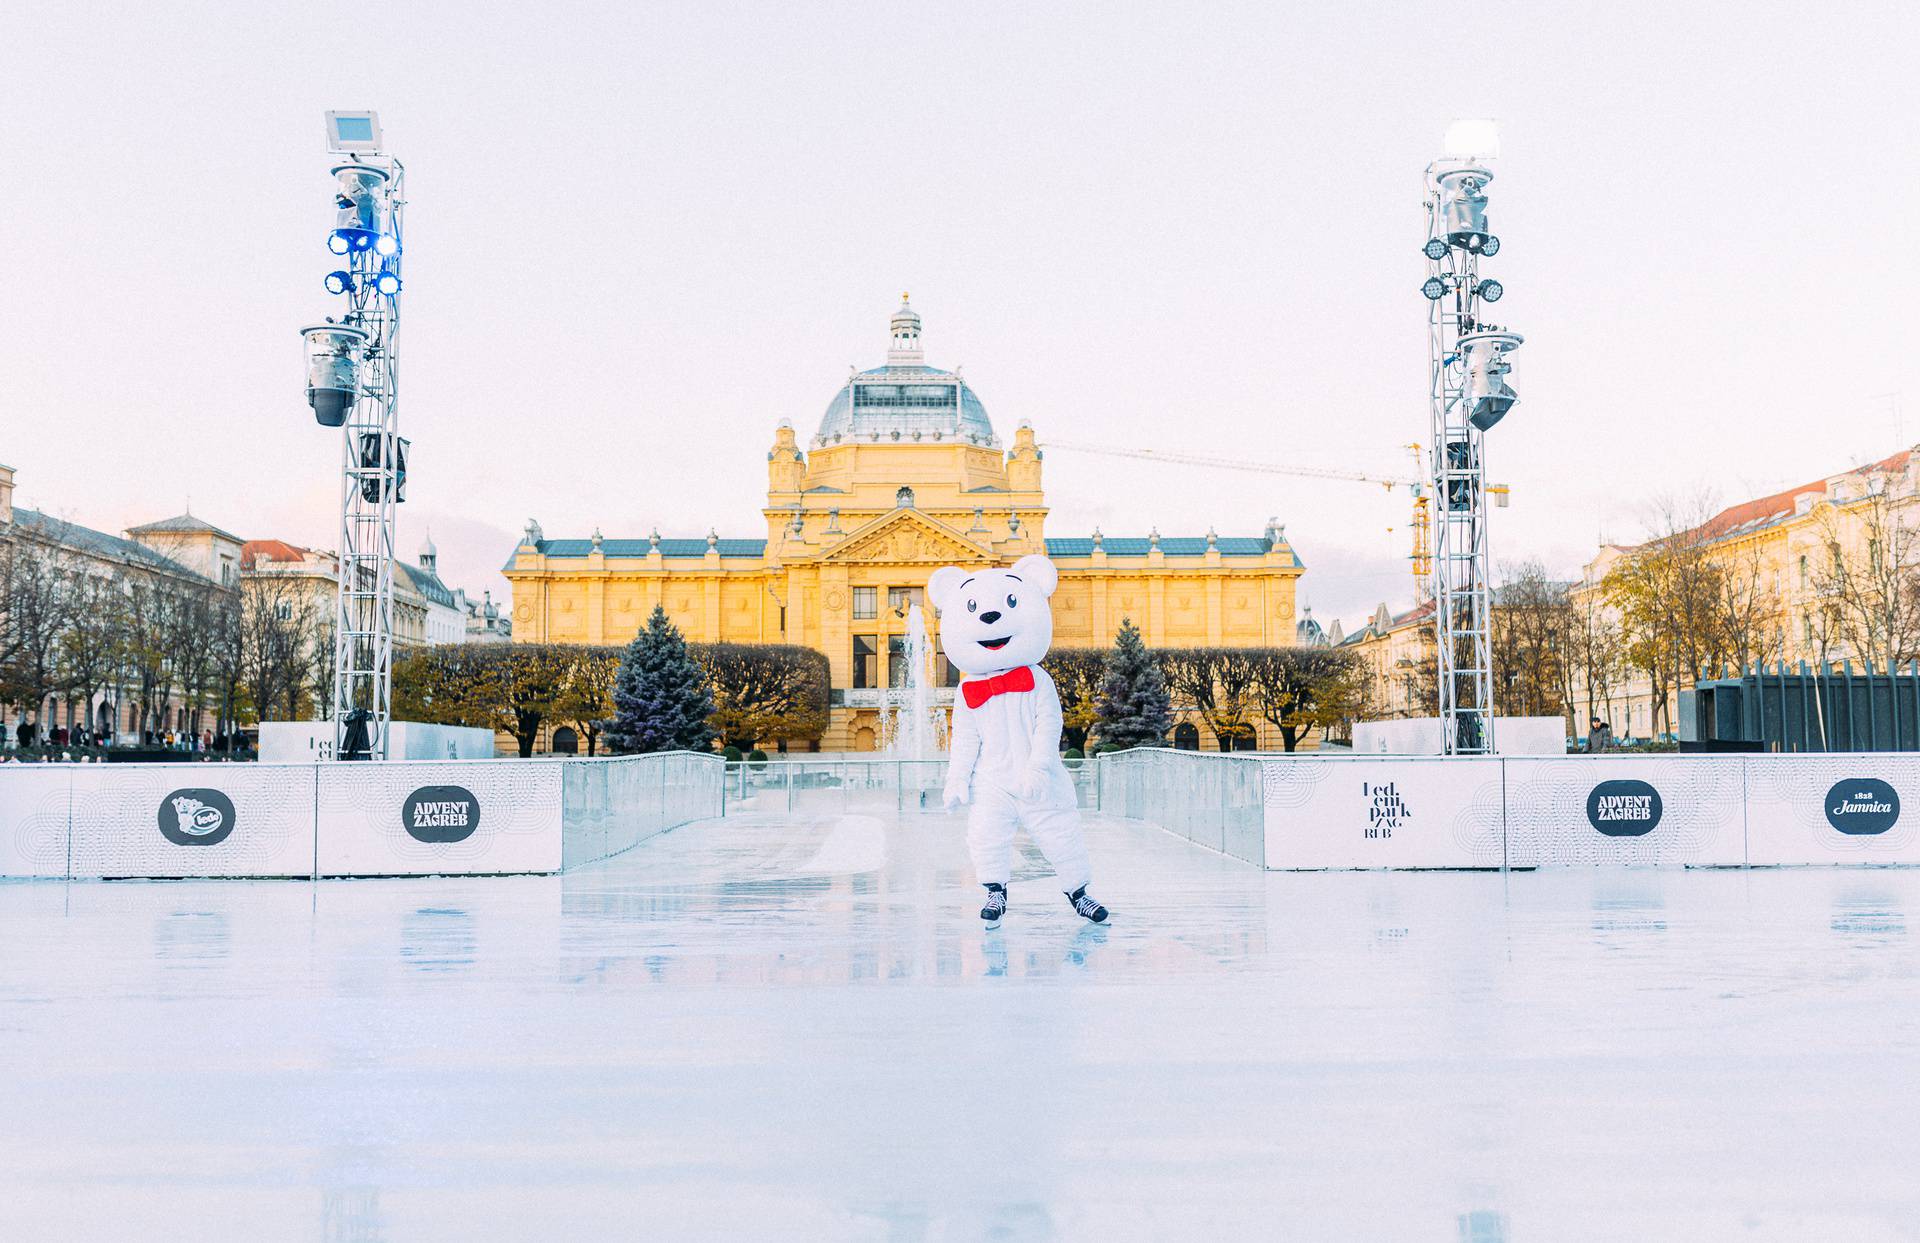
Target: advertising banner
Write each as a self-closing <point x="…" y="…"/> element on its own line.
<point x="171" y="820"/>
<point x="1835" y="808"/>
<point x="1390" y="813"/>
<point x="417" y="818"/>
<point x="1633" y="810"/>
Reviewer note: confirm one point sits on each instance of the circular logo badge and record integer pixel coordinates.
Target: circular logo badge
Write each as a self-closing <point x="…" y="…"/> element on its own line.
<point x="1862" y="806"/>
<point x="1623" y="808"/>
<point x="441" y="814"/>
<point x="196" y="817"/>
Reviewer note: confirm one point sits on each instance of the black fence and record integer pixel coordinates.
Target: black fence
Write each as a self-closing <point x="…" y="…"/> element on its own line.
<point x="1837" y="708"/>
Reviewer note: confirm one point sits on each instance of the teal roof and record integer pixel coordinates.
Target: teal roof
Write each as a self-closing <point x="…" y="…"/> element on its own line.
<point x="1171" y="545"/>
<point x="640" y="547"/>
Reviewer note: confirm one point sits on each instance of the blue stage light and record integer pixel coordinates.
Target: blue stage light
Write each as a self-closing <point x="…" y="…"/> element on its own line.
<point x="387" y="283"/>
<point x="337" y="242"/>
<point x="386" y="244"/>
<point x="339" y="282"/>
<point x="1434" y="288"/>
<point x="1491" y="291"/>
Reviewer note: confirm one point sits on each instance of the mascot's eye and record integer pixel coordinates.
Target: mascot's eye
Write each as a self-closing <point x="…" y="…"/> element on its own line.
<point x="973" y="606"/>
<point x="1012" y="603"/>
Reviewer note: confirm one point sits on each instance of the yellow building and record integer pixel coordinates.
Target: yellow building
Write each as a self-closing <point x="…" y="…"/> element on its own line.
<point x="904" y="475"/>
<point x="1790" y="561"/>
<point x="1398" y="651"/>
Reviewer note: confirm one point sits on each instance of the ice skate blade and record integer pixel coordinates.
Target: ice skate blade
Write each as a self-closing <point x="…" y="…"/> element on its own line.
<point x="991" y="925"/>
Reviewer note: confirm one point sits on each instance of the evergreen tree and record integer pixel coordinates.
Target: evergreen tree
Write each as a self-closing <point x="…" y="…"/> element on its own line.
<point x="1135" y="709"/>
<point x="660" y="696"/>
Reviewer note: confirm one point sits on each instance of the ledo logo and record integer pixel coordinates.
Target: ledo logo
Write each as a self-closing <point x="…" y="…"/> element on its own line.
<point x="1623" y="808"/>
<point x="196" y="817"/>
<point x="441" y="814"/>
<point x="1862" y="806"/>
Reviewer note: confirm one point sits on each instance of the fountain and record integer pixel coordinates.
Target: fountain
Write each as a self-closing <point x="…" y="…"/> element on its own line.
<point x="912" y="725"/>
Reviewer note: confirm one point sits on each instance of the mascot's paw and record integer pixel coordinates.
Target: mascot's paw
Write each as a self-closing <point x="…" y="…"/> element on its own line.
<point x="1035" y="784"/>
<point x="955" y="795"/>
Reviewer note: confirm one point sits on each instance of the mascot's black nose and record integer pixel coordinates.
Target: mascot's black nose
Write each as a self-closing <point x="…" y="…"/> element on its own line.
<point x="989" y="618"/>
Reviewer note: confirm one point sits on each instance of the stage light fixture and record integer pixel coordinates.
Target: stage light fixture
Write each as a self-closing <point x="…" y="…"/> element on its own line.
<point x="1490" y="290"/>
<point x="334" y="354"/>
<point x="388" y="282"/>
<point x="1490" y="246"/>
<point x="1435" y="249"/>
<point x="1486" y="394"/>
<point x="338" y="244"/>
<point x="338" y="282"/>
<point x="360" y="197"/>
<point x="1434" y="288"/>
<point x="1463" y="207"/>
<point x="386" y="244"/>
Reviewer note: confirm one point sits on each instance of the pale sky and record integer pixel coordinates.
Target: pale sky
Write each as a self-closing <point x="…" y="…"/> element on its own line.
<point x="640" y="235"/>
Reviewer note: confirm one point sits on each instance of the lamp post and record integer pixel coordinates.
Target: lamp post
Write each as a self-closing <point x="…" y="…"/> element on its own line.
<point x="1468" y="394"/>
<point x="353" y="379"/>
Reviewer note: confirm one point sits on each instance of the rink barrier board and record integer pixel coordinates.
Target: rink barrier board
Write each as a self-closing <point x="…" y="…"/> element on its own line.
<point x="1413" y="812"/>
<point x="308" y="820"/>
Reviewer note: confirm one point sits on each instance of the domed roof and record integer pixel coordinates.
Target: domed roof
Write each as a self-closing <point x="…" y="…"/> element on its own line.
<point x="905" y="400"/>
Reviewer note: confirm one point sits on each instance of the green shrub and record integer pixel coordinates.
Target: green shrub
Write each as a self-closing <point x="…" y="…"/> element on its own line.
<point x="1074" y="753"/>
<point x="757" y="756"/>
<point x="732" y="755"/>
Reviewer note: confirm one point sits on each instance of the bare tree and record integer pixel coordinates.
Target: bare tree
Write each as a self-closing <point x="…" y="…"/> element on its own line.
<point x="1299" y="689"/>
<point x="92" y="649"/>
<point x="42" y="597"/>
<point x="1668" y="594"/>
<point x="1868" y="580"/>
<point x="1532" y="635"/>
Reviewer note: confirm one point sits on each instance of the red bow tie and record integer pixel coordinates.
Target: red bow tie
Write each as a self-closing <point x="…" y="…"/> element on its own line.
<point x="982" y="689"/>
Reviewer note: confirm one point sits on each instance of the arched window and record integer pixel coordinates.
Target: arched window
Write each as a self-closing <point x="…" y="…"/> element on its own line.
<point x="565" y="741"/>
<point x="1186" y="736"/>
<point x="903" y="499"/>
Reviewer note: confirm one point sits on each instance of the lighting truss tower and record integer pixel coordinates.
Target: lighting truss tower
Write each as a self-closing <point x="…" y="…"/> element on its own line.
<point x="353" y="383"/>
<point x="1467" y="394"/>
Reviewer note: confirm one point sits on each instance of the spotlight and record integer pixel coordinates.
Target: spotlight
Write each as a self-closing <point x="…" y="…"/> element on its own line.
<point x="388" y="282"/>
<point x="334" y="352"/>
<point x="1463" y="207"/>
<point x="1435" y="249"/>
<point x="1434" y="288"/>
<point x="360" y="196"/>
<point x="1487" y="396"/>
<point x="386" y="244"/>
<point x="1491" y="291"/>
<point x="338" y="243"/>
<point x="338" y="282"/>
<point x="1490" y="246"/>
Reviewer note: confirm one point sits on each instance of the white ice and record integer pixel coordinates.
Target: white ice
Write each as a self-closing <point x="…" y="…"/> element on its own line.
<point x="792" y="1028"/>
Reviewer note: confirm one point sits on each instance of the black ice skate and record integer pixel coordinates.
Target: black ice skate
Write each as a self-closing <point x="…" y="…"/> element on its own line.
<point x="997" y="906"/>
<point x="1084" y="906"/>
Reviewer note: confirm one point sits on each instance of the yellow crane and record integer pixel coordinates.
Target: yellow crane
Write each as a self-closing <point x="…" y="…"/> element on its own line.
<point x="1422" y="557"/>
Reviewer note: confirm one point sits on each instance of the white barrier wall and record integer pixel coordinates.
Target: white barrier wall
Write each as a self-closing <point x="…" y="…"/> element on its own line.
<point x="479" y="817"/>
<point x="1521" y="812"/>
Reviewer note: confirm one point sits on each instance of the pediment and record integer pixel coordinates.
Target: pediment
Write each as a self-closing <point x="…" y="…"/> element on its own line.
<point x="907" y="537"/>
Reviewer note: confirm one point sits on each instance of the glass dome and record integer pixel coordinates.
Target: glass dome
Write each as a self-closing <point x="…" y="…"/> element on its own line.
<point x="906" y="400"/>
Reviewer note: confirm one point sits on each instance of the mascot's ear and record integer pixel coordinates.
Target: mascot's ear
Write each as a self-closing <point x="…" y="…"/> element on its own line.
<point x="943" y="583"/>
<point x="1038" y="571"/>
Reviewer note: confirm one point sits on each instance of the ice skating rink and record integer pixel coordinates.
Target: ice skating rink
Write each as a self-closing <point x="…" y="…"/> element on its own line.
<point x="793" y="1028"/>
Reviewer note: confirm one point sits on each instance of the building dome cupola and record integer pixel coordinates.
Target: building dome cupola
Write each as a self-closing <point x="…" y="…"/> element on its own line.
<point x="904" y="349"/>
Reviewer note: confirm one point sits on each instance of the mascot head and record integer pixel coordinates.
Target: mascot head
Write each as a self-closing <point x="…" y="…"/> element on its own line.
<point x="995" y="620"/>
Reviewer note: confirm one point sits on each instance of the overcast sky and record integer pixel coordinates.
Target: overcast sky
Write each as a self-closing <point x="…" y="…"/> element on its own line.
<point x="640" y="235"/>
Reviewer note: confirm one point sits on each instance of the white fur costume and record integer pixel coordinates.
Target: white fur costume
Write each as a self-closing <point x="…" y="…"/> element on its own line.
<point x="997" y="624"/>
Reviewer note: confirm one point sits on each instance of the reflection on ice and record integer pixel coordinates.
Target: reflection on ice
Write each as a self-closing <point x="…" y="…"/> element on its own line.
<point x="792" y="1026"/>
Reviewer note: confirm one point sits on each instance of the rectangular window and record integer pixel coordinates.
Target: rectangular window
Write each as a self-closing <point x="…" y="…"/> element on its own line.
<point x="896" y="660"/>
<point x="866" y="662"/>
<point x="949" y="676"/>
<point x="866" y="603"/>
<point x="899" y="598"/>
<point x="1803" y="570"/>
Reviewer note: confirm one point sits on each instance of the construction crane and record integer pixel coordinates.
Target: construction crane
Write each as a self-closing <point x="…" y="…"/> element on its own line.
<point x="1422" y="557"/>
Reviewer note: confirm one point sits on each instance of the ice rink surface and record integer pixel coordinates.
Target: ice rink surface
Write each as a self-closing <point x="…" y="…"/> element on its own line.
<point x="795" y="1029"/>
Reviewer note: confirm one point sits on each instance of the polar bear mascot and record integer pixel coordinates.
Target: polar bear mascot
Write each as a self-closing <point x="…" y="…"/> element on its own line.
<point x="996" y="626"/>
